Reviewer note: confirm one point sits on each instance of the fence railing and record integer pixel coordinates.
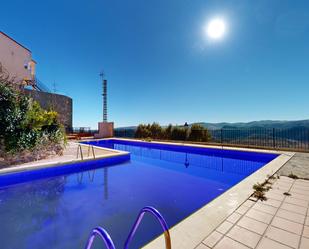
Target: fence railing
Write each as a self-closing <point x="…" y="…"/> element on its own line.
<point x="82" y="131"/>
<point x="296" y="139"/>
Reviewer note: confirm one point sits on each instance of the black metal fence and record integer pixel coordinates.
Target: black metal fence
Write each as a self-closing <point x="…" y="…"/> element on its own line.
<point x="82" y="130"/>
<point x="296" y="139"/>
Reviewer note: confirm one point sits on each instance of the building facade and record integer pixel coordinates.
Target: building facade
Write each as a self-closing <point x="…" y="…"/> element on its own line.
<point x="18" y="64"/>
<point x="17" y="60"/>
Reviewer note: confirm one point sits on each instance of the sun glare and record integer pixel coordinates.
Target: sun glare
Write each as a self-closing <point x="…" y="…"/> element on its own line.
<point x="216" y="28"/>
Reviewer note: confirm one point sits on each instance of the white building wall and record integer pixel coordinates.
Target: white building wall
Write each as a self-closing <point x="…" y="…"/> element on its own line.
<point x="14" y="57"/>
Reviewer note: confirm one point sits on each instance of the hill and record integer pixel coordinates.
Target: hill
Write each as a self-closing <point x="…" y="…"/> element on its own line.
<point x="278" y="124"/>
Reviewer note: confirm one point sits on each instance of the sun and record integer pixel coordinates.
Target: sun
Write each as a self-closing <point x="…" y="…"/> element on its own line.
<point x="216" y="28"/>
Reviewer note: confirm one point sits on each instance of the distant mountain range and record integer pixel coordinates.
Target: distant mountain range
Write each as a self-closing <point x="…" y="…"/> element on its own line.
<point x="254" y="124"/>
<point x="259" y="124"/>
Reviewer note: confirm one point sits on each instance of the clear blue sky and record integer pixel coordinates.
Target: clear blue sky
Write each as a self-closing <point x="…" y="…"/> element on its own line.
<point x="158" y="62"/>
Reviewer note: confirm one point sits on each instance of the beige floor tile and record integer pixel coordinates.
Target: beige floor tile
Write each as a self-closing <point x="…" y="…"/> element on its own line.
<point x="307" y="221"/>
<point x="244" y="236"/>
<point x="306" y="231"/>
<point x="266" y="243"/>
<point x="286" y="179"/>
<point x="300" y="196"/>
<point x="242" y="209"/>
<point x="265" y="208"/>
<point x="287" y="225"/>
<point x="280" y="188"/>
<point x="252" y="225"/>
<point x="274" y="196"/>
<point x="202" y="246"/>
<point x="298" y="192"/>
<point x="212" y="239"/>
<point x="304" y="243"/>
<point x="227" y="243"/>
<point x="294" y="208"/>
<point x="304" y="184"/>
<point x="224" y="227"/>
<point x="300" y="187"/>
<point x="299" y="218"/>
<point x="234" y="217"/>
<point x="272" y="202"/>
<point x="248" y="203"/>
<point x="283" y="183"/>
<point x="284" y="237"/>
<point x="298" y="202"/>
<point x="260" y="216"/>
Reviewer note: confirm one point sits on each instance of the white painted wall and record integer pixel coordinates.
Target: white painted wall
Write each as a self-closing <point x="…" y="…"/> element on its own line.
<point x="14" y="57"/>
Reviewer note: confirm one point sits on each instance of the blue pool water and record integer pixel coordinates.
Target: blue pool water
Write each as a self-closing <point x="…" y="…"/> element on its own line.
<point x="57" y="208"/>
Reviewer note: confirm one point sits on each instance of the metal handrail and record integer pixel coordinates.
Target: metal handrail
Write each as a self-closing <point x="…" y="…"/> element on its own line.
<point x="159" y="217"/>
<point x="104" y="236"/>
<point x="91" y="146"/>
<point x="79" y="149"/>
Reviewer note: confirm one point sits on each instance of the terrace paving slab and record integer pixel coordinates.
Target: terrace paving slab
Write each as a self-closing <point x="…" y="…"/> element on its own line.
<point x="298" y="165"/>
<point x="263" y="226"/>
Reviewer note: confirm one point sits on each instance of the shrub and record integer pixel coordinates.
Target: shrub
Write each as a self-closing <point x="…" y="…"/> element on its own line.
<point x="179" y="133"/>
<point x="167" y="132"/>
<point x="198" y="133"/>
<point x="24" y="125"/>
<point x="142" y="131"/>
<point x="156" y="131"/>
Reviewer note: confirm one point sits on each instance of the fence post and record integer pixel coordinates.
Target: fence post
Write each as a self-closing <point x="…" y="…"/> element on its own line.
<point x="274" y="138"/>
<point x="221" y="136"/>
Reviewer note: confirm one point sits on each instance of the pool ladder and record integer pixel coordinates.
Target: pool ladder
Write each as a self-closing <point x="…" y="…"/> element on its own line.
<point x="99" y="231"/>
<point x="80" y="151"/>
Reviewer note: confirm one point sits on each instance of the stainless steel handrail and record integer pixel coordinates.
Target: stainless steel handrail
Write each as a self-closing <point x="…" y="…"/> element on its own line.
<point x="92" y="149"/>
<point x="159" y="217"/>
<point x="79" y="149"/>
<point x="104" y="236"/>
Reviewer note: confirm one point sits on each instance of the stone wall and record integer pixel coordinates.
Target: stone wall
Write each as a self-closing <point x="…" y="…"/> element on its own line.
<point x="60" y="103"/>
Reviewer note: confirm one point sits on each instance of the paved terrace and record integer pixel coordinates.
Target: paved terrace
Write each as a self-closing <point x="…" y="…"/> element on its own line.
<point x="281" y="222"/>
<point x="69" y="156"/>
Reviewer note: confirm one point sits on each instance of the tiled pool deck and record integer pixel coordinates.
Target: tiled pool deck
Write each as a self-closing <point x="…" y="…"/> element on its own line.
<point x="281" y="222"/>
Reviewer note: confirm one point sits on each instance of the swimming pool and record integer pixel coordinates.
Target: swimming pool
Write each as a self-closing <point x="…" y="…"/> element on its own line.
<point x="59" y="209"/>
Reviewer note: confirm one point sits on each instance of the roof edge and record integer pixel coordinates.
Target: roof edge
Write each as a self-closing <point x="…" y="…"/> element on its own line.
<point x="14" y="41"/>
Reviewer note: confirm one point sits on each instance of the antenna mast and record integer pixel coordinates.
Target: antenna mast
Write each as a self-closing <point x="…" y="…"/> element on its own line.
<point x="104" y="83"/>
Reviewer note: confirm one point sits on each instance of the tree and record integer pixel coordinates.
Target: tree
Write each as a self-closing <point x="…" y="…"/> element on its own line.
<point x="198" y="133"/>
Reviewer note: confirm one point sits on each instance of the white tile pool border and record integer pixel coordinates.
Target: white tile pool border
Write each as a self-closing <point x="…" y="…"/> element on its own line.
<point x="191" y="231"/>
<point x="58" y="162"/>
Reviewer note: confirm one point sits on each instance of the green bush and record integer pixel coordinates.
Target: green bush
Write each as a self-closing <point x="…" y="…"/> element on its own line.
<point x="142" y="131"/>
<point x="24" y="125"/>
<point x="167" y="132"/>
<point x="198" y="133"/>
<point x="179" y="133"/>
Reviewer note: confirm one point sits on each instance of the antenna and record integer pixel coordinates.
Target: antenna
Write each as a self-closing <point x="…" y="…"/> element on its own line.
<point x="104" y="94"/>
<point x="54" y="87"/>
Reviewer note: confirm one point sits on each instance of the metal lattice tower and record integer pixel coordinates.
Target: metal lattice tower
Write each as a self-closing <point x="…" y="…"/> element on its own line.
<point x="104" y="97"/>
